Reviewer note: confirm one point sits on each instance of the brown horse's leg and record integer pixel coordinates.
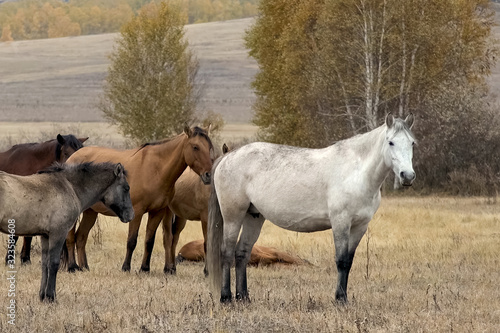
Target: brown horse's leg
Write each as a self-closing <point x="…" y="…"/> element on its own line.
<point x="167" y="243"/>
<point x="69" y="257"/>
<point x="133" y="232"/>
<point x="178" y="224"/>
<point x="154" y="219"/>
<point x="82" y="234"/>
<point x="25" y="252"/>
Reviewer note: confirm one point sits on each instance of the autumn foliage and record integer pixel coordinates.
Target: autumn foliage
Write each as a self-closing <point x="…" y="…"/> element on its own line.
<point x="331" y="69"/>
<point x="33" y="19"/>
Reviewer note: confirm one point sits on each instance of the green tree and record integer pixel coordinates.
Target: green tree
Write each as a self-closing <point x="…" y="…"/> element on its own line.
<point x="150" y="90"/>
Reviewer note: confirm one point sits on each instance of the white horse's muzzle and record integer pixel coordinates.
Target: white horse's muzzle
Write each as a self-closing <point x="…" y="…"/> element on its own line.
<point x="407" y="177"/>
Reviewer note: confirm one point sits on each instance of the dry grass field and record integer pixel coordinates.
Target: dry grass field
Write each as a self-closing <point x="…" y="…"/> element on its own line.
<point x="428" y="265"/>
<point x="100" y="134"/>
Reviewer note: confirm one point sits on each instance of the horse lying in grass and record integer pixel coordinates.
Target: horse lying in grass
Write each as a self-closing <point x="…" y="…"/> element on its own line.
<point x="152" y="171"/>
<point x="48" y="204"/>
<point x="29" y="158"/>
<point x="305" y="190"/>
<point x="260" y="256"/>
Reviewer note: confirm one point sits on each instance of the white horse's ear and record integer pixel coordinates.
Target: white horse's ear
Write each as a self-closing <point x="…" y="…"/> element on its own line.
<point x="187" y="130"/>
<point x="389" y="120"/>
<point x="225" y="149"/>
<point x="409" y="120"/>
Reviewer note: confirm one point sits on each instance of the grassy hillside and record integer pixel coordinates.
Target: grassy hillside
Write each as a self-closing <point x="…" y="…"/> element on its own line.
<point x="60" y="79"/>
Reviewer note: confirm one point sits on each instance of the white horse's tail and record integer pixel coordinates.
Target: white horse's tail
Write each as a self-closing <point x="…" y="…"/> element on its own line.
<point x="214" y="237"/>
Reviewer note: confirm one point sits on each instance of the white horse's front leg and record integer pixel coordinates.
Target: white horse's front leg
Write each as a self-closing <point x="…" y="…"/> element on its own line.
<point x="347" y="235"/>
<point x="341" y="229"/>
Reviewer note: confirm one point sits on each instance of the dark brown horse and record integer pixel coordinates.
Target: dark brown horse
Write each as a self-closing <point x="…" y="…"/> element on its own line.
<point x="29" y="158"/>
<point x="152" y="172"/>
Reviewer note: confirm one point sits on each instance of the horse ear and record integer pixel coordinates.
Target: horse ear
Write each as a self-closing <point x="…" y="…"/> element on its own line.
<point x="60" y="139"/>
<point x="119" y="170"/>
<point x="188" y="130"/>
<point x="82" y="140"/>
<point x="209" y="127"/>
<point x="410" y="120"/>
<point x="389" y="120"/>
<point x="225" y="149"/>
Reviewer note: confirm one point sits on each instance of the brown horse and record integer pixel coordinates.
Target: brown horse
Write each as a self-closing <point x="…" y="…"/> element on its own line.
<point x="261" y="255"/>
<point x="29" y="158"/>
<point x="190" y="202"/>
<point x="152" y="172"/>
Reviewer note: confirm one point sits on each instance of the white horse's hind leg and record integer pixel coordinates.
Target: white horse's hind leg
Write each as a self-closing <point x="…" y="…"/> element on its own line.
<point x="232" y="228"/>
<point x="249" y="235"/>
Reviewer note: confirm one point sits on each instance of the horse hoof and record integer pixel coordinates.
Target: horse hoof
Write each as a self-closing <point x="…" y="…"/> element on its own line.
<point x="73" y="269"/>
<point x="125" y="268"/>
<point x="242" y="299"/>
<point x="144" y="270"/>
<point x="170" y="271"/>
<point x="49" y="299"/>
<point x="25" y="261"/>
<point x="341" y="301"/>
<point x="226" y="299"/>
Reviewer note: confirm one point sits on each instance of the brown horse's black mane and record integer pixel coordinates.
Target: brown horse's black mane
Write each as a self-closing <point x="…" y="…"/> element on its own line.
<point x="196" y="131"/>
<point x="70" y="139"/>
<point x="89" y="167"/>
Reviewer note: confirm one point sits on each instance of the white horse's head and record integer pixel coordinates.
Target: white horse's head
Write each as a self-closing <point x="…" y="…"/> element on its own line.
<point x="399" y="152"/>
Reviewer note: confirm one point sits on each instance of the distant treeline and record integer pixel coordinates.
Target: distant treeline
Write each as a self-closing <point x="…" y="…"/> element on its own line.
<point x="35" y="19"/>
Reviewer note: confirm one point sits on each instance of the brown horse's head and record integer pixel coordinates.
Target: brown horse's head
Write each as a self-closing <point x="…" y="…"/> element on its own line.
<point x="198" y="151"/>
<point x="67" y="145"/>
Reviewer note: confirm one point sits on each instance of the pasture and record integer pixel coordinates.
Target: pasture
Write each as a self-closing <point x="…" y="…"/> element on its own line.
<point x="426" y="265"/>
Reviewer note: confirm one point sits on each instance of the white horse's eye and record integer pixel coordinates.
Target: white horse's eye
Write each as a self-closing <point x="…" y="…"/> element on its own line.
<point x="391" y="143"/>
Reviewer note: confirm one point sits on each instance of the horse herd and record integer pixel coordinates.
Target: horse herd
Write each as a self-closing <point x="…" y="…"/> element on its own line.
<point x="299" y="189"/>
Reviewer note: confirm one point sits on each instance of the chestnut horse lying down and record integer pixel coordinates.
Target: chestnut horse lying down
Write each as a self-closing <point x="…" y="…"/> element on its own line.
<point x="261" y="255"/>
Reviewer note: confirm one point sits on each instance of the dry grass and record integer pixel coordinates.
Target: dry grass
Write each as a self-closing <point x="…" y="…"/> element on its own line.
<point x="100" y="134"/>
<point x="431" y="265"/>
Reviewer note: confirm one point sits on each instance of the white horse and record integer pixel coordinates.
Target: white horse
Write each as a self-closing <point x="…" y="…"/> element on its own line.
<point x="304" y="190"/>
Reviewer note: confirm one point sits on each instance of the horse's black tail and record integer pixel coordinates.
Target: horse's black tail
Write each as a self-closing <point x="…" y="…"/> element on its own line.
<point x="214" y="236"/>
